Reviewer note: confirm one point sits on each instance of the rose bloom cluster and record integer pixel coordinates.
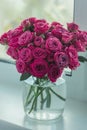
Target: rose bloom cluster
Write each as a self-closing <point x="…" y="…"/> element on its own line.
<point x="45" y="49"/>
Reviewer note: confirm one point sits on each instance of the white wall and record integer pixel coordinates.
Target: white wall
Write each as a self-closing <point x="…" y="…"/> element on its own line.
<point x="77" y="84"/>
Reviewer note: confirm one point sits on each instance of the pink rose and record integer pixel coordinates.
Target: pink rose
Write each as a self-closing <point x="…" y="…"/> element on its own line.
<point x="67" y="37"/>
<point x="31" y="47"/>
<point x="80" y="46"/>
<point x="15" y="33"/>
<point x="21" y="67"/>
<point x="74" y="63"/>
<point x="61" y="59"/>
<point x="82" y="36"/>
<point x="53" y="44"/>
<point x="13" y="42"/>
<point x="39" y="53"/>
<point x="25" y="38"/>
<point x="41" y="26"/>
<point x="48" y="34"/>
<point x="28" y="23"/>
<point x="25" y="54"/>
<point x="54" y="72"/>
<point x="38" y="41"/>
<point x="50" y="56"/>
<point x="39" y="68"/>
<point x="13" y="52"/>
<point x="72" y="27"/>
<point x="73" y="57"/>
<point x="25" y="23"/>
<point x="58" y="31"/>
<point x="54" y="24"/>
<point x="32" y="20"/>
<point x="4" y="38"/>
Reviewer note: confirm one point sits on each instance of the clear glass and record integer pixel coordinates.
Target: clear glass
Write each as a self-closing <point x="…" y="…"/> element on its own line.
<point x="49" y="104"/>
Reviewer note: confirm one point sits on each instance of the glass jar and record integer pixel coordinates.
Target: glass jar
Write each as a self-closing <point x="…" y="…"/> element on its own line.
<point x="44" y="100"/>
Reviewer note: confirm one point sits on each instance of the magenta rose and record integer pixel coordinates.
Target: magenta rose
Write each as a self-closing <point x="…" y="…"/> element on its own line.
<point x="13" y="42"/>
<point x="20" y="65"/>
<point x="54" y="24"/>
<point x="50" y="56"/>
<point x="31" y="47"/>
<point x="32" y="20"/>
<point x="54" y="72"/>
<point x="82" y="36"/>
<point x="25" y="54"/>
<point x="67" y="37"/>
<point x="25" y="23"/>
<point x="15" y="33"/>
<point x="73" y="57"/>
<point x="41" y="26"/>
<point x="61" y="59"/>
<point x="72" y="27"/>
<point x="25" y="38"/>
<point x="74" y="63"/>
<point x="13" y="52"/>
<point x="53" y="44"/>
<point x="38" y="41"/>
<point x="39" y="68"/>
<point x="48" y="34"/>
<point x="39" y="53"/>
<point x="4" y="38"/>
<point x="58" y="31"/>
<point x="80" y="46"/>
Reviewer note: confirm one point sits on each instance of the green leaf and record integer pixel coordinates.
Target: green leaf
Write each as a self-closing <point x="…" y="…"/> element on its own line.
<point x="25" y="76"/>
<point x="82" y="59"/>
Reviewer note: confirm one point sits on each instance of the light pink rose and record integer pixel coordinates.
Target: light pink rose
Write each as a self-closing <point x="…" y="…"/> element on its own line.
<point x="61" y="59"/>
<point x="39" y="53"/>
<point x="25" y="38"/>
<point x="54" y="72"/>
<point x="13" y="52"/>
<point x="39" y="68"/>
<point x="53" y="44"/>
<point x="25" y="54"/>
<point x="72" y="27"/>
<point x="20" y="65"/>
<point x="41" y="26"/>
<point x="38" y="41"/>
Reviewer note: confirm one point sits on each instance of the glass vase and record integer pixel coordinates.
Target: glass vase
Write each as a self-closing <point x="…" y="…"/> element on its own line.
<point x="44" y="100"/>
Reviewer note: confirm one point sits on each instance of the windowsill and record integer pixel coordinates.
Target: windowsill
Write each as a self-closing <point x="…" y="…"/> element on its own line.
<point x="11" y="108"/>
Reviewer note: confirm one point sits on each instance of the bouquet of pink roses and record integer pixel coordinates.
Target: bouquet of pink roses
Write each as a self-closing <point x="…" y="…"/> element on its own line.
<point x="43" y="49"/>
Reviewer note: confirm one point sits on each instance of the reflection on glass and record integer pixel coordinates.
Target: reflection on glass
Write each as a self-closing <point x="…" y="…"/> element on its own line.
<point x="42" y="125"/>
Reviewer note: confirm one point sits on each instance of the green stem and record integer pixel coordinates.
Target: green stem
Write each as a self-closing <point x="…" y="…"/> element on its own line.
<point x="35" y="105"/>
<point x="42" y="103"/>
<point x="36" y="96"/>
<point x="57" y="94"/>
<point x="29" y="93"/>
<point x="28" y="102"/>
<point x="48" y="99"/>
